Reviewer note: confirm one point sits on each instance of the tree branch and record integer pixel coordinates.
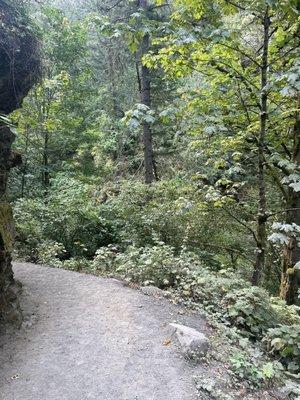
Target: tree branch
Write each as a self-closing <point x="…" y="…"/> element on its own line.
<point x="242" y="223"/>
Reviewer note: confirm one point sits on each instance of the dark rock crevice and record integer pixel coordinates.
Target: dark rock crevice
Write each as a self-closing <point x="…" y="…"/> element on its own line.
<point x="19" y="70"/>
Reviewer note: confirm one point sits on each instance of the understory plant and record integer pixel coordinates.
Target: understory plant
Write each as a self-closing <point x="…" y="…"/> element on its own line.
<point x="284" y="343"/>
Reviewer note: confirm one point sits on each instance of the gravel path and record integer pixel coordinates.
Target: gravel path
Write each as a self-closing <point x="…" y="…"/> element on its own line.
<point x="86" y="337"/>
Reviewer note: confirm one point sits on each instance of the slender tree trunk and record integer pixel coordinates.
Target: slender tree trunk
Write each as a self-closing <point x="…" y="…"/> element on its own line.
<point x="25" y="163"/>
<point x="117" y="111"/>
<point x="145" y="91"/>
<point x="46" y="174"/>
<point x="261" y="217"/>
<point x="290" y="277"/>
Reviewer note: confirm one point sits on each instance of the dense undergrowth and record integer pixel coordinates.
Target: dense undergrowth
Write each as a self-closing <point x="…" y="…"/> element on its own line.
<point x="157" y="236"/>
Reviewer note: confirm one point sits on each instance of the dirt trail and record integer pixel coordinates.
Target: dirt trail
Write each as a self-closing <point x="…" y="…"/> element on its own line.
<point x="86" y="337"/>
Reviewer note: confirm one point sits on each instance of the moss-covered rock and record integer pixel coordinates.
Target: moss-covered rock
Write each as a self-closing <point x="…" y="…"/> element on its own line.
<point x="19" y="70"/>
<point x="6" y="227"/>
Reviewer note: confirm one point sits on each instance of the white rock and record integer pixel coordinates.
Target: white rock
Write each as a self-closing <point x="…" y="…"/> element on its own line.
<point x="194" y="344"/>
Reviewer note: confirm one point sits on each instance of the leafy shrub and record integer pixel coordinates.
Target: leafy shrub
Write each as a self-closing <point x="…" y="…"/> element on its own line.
<point x="175" y="213"/>
<point x="76" y="264"/>
<point x="83" y="220"/>
<point x="159" y="265"/>
<point x="284" y="342"/>
<point x="104" y="261"/>
<point x="248" y="365"/>
<point x="48" y="253"/>
<point x="69" y="216"/>
<point x="250" y="309"/>
<point x="154" y="265"/>
<point x="74" y="218"/>
<point x="286" y="315"/>
<point x="151" y="265"/>
<point x="29" y="232"/>
<point x="207" y="287"/>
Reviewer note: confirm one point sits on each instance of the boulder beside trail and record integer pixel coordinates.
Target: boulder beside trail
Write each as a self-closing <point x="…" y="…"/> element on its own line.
<point x="194" y="344"/>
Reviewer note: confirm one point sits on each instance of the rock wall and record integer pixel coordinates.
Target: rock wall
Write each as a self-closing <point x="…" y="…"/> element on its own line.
<point x="19" y="70"/>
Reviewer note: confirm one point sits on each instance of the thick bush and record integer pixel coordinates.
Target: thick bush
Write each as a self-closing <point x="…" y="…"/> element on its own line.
<point x="286" y="315"/>
<point x="104" y="261"/>
<point x="156" y="265"/>
<point x="84" y="219"/>
<point x="284" y="342"/>
<point x="254" y="312"/>
<point x="201" y="285"/>
<point x="160" y="265"/>
<point x="250" y="309"/>
<point x="76" y="264"/>
<point x="176" y="214"/>
<point x="29" y="229"/>
<point x="69" y="216"/>
<point x="49" y="253"/>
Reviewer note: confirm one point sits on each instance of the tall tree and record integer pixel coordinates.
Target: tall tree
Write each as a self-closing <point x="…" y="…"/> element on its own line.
<point x="262" y="201"/>
<point x="145" y="93"/>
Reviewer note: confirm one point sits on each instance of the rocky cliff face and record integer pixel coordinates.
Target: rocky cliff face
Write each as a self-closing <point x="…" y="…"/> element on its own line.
<point x="19" y="70"/>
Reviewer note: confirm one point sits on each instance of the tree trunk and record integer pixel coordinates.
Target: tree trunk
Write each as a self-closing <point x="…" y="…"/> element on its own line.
<point x="25" y="163"/>
<point x="117" y="111"/>
<point x="145" y="92"/>
<point x="261" y="217"/>
<point x="46" y="174"/>
<point x="290" y="277"/>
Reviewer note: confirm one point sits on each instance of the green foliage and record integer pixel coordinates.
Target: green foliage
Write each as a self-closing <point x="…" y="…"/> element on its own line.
<point x="248" y="366"/>
<point x="29" y="233"/>
<point x="204" y="286"/>
<point x="160" y="265"/>
<point x="155" y="265"/>
<point x="285" y="315"/>
<point x="176" y="214"/>
<point x="104" y="261"/>
<point x="67" y="216"/>
<point x="251" y="310"/>
<point x="76" y="264"/>
<point x="47" y="252"/>
<point x="284" y="342"/>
